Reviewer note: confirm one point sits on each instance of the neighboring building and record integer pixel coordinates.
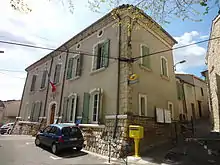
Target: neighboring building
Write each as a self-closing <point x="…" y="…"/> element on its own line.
<point x="92" y="84"/>
<point x="2" y="107"/>
<point x="213" y="61"/>
<point x="192" y="96"/>
<point x="11" y="110"/>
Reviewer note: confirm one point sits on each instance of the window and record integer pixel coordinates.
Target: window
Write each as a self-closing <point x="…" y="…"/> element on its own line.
<point x="164" y="66"/>
<point x="47" y="129"/>
<point x="95" y="107"/>
<point x="43" y="81"/>
<point x="202" y="92"/>
<point x="145" y="60"/>
<point x="57" y="73"/>
<point x="142" y="105"/>
<point x="72" y="111"/>
<point x="33" y="82"/>
<point x="170" y="107"/>
<point x="74" y="67"/>
<point x="54" y="130"/>
<point x="101" y="58"/>
<point x="35" y="111"/>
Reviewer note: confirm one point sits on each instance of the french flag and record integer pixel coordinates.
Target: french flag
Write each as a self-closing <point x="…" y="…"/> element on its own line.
<point x="52" y="84"/>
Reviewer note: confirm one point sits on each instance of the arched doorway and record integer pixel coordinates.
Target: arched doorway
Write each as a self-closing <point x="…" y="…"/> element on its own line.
<point x="52" y="113"/>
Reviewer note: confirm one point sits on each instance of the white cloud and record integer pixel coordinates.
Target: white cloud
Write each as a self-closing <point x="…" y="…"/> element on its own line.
<point x="49" y="25"/>
<point x="194" y="55"/>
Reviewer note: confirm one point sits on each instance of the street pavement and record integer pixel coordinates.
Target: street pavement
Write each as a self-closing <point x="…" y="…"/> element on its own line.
<point x="21" y="150"/>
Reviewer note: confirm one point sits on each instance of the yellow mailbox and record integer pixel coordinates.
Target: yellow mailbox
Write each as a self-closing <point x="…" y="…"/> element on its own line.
<point x="136" y="132"/>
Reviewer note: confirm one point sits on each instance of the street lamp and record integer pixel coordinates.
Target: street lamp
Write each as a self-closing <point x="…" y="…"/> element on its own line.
<point x="180" y="62"/>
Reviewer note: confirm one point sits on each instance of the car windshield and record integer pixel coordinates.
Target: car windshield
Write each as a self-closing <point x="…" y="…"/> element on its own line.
<point x="71" y="131"/>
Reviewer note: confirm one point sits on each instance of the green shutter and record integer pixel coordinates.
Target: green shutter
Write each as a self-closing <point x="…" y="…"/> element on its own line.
<point x="70" y="69"/>
<point x="57" y="73"/>
<point x="32" y="112"/>
<point x="105" y="53"/>
<point x="33" y="82"/>
<point x="94" y="65"/>
<point x="146" y="59"/>
<point x="43" y="81"/>
<point x="79" y="70"/>
<point x="65" y="108"/>
<point x="100" y="118"/>
<point x="164" y="67"/>
<point x="85" y="113"/>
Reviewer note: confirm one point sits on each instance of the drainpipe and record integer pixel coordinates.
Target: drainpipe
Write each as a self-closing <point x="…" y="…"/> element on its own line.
<point x="118" y="88"/>
<point x="184" y="99"/>
<point x="48" y="86"/>
<point x="62" y="88"/>
<point x="19" y="111"/>
<point x="22" y="97"/>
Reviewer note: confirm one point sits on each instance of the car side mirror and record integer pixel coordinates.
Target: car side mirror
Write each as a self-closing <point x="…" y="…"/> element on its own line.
<point x="41" y="131"/>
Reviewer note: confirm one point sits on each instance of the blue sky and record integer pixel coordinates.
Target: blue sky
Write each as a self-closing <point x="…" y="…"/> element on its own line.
<point x="51" y="24"/>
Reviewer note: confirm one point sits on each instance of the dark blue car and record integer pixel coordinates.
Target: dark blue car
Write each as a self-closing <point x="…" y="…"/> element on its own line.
<point x="60" y="136"/>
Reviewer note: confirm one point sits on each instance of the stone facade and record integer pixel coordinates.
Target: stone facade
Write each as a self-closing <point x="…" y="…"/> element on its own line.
<point x="213" y="60"/>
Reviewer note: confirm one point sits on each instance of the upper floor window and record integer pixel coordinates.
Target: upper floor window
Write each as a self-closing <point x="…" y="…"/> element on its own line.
<point x="57" y="73"/>
<point x="33" y="82"/>
<point x="164" y="67"/>
<point x="202" y="93"/>
<point x="142" y="105"/>
<point x="145" y="60"/>
<point x="43" y="80"/>
<point x="74" y="67"/>
<point x="101" y="55"/>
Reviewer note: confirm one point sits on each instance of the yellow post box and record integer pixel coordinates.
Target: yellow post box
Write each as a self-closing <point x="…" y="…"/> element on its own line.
<point x="136" y="132"/>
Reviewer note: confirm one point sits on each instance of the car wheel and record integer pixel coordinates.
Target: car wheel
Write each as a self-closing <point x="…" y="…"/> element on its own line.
<point x="54" y="149"/>
<point x="78" y="148"/>
<point x="9" y="131"/>
<point x="37" y="141"/>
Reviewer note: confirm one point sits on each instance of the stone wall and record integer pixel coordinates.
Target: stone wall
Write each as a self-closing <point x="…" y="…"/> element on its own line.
<point x="97" y="137"/>
<point x="28" y="127"/>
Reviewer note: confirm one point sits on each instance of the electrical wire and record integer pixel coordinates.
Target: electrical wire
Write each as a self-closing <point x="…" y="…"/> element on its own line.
<point x="12" y="76"/>
<point x="179" y="47"/>
<point x="52" y="49"/>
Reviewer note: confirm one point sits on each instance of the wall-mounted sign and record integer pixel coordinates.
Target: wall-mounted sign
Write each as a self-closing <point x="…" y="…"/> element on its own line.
<point x="133" y="78"/>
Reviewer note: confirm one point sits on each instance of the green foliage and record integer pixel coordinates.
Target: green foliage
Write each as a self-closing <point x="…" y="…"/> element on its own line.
<point x="163" y="11"/>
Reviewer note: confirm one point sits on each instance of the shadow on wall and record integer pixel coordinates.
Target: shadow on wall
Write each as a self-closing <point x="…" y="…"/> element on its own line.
<point x="218" y="93"/>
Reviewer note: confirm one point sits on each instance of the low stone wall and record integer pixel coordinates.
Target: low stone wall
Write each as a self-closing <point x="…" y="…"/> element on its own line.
<point x="28" y="127"/>
<point x="97" y="137"/>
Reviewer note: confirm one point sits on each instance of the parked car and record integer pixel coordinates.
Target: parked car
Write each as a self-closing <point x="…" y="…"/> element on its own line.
<point x="60" y="136"/>
<point x="6" y="128"/>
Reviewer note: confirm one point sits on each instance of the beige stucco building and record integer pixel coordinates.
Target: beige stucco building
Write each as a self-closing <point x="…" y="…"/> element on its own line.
<point x="213" y="61"/>
<point x="193" y="96"/>
<point x="91" y="71"/>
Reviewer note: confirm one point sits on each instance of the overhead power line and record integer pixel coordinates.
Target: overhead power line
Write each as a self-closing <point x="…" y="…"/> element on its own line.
<point x="115" y="58"/>
<point x="12" y="76"/>
<point x="51" y="49"/>
<point x="7" y="70"/>
<point x="179" y="47"/>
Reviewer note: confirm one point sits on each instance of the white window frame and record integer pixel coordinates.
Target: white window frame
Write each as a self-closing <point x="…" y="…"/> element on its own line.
<point x="70" y="97"/>
<point x="161" y="66"/>
<point x="94" y="56"/>
<point x="141" y="55"/>
<point x="172" y="111"/>
<point x="99" y="106"/>
<point x="145" y="100"/>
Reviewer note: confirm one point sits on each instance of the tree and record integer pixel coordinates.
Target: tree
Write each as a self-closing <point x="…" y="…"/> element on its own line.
<point x="160" y="10"/>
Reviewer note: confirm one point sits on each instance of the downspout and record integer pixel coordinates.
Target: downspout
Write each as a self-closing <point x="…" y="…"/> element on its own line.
<point x="19" y="111"/>
<point x="62" y="88"/>
<point x="118" y="78"/>
<point x="184" y="99"/>
<point x="22" y="97"/>
<point x="48" y="86"/>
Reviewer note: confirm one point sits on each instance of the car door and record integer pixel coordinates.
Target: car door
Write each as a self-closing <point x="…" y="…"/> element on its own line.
<point x="53" y="135"/>
<point x="45" y="135"/>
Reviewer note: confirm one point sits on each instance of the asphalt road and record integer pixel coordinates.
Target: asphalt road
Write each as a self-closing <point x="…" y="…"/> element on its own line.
<point x="21" y="150"/>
